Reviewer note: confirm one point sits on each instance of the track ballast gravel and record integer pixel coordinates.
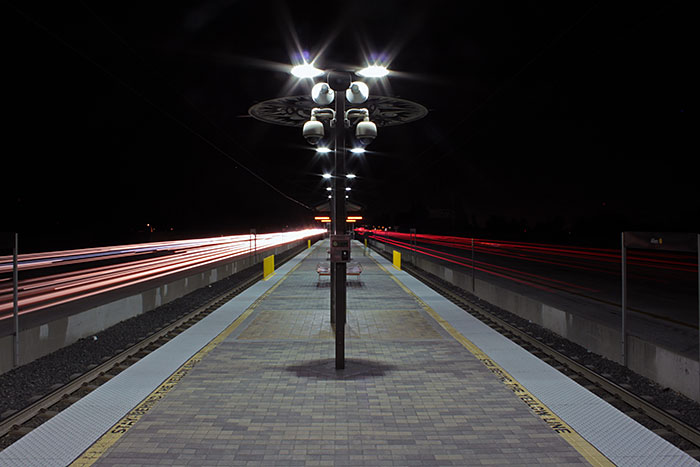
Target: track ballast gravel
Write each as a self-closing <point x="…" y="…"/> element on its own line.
<point x="26" y="384"/>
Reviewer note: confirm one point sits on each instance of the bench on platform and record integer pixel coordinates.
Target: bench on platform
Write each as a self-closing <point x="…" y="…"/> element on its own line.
<point x="352" y="269"/>
<point x="323" y="269"/>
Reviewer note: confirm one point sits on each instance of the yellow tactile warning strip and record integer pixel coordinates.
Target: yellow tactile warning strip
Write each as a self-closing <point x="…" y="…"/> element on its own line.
<point x="94" y="452"/>
<point x="578" y="442"/>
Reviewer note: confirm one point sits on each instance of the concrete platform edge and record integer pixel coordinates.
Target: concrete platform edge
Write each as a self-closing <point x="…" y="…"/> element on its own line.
<point x="606" y="428"/>
<point x="63" y="438"/>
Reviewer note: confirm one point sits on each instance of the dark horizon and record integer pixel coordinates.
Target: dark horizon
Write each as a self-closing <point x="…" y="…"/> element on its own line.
<point x="544" y="119"/>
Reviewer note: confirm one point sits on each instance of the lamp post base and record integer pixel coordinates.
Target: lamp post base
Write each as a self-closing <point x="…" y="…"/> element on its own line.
<point x="340" y="314"/>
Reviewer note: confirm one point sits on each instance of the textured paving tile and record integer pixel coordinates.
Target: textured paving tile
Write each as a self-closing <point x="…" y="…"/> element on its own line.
<point x="409" y="395"/>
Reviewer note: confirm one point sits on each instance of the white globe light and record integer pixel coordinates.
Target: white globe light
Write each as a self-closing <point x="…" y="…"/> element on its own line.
<point x="322" y="94"/>
<point x="357" y="93"/>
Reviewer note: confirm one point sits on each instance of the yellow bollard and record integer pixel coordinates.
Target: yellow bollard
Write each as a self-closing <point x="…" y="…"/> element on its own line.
<point x="397" y="260"/>
<point x="309" y="244"/>
<point x="268" y="266"/>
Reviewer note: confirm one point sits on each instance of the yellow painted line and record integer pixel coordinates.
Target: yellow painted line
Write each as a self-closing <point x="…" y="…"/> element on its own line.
<point x="578" y="442"/>
<point x="94" y="452"/>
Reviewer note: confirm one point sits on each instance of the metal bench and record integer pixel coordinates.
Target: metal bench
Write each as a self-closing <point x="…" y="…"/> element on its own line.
<point x="352" y="269"/>
<point x="323" y="269"/>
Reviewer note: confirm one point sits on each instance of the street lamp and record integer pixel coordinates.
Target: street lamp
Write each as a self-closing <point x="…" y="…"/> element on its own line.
<point x="294" y="111"/>
<point x="341" y="89"/>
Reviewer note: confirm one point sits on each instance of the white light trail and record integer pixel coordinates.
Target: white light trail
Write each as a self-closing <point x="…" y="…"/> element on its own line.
<point x="174" y="257"/>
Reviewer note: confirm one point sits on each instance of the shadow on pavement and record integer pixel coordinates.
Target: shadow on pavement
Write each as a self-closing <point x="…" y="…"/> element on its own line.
<point x="355" y="368"/>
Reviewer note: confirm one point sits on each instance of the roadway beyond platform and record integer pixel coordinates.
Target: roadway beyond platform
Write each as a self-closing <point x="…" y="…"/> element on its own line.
<point x="424" y="384"/>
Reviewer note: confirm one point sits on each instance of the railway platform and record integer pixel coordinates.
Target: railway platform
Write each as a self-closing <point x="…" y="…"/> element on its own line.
<point x="425" y="383"/>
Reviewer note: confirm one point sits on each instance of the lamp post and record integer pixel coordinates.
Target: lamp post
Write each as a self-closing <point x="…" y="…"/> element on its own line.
<point x="293" y="111"/>
<point x="341" y="89"/>
<point x="339" y="82"/>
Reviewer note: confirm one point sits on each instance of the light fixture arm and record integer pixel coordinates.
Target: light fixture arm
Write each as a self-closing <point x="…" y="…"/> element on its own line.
<point x="324" y="113"/>
<point x="319" y="112"/>
<point x="358" y="114"/>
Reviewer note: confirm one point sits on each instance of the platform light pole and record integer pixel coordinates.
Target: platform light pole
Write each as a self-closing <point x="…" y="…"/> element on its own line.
<point x="339" y="82"/>
<point x="386" y="111"/>
<point x="339" y="88"/>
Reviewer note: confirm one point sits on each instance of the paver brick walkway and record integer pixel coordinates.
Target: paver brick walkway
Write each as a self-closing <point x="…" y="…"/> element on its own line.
<point x="410" y="394"/>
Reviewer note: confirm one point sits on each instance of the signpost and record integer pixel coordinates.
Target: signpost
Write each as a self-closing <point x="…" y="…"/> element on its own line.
<point x="15" y="301"/>
<point x="665" y="241"/>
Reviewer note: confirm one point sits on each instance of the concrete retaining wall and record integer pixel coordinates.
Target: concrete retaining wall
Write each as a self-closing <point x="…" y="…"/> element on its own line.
<point x="667" y="368"/>
<point x="48" y="335"/>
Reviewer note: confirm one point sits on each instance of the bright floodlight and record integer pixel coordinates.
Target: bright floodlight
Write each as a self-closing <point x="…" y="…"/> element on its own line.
<point x="329" y="189"/>
<point x="326" y="176"/>
<point x="374" y="71"/>
<point x="306" y="70"/>
<point x="357" y="150"/>
<point x="351" y="175"/>
<point x="323" y="150"/>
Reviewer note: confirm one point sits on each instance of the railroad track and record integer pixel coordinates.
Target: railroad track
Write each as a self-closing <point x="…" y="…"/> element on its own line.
<point x="682" y="435"/>
<point x="669" y="427"/>
<point x="22" y="422"/>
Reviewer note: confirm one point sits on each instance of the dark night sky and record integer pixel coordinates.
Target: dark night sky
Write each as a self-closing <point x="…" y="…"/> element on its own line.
<point x="548" y="116"/>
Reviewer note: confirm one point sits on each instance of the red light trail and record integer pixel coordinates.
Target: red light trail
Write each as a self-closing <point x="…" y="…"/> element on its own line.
<point x="583" y="267"/>
<point x="138" y="265"/>
<point x="567" y="255"/>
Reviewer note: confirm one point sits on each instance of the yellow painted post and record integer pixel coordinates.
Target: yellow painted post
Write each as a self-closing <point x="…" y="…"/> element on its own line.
<point x="397" y="260"/>
<point x="268" y="266"/>
<point x="309" y="244"/>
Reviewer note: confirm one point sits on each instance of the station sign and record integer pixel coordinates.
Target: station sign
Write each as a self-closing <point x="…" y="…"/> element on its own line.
<point x="667" y="241"/>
